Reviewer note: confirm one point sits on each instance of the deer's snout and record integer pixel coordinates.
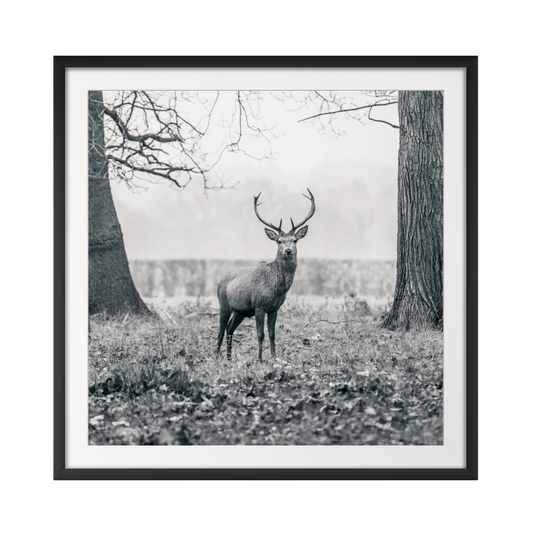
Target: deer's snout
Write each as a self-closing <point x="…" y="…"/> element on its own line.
<point x="287" y="251"/>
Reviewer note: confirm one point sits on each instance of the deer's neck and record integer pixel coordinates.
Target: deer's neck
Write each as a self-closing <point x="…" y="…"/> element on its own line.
<point x="285" y="269"/>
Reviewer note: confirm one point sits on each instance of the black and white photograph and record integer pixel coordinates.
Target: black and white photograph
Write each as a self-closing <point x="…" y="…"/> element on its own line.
<point x="266" y="267"/>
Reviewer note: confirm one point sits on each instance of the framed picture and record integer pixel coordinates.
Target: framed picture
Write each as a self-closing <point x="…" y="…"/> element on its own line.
<point x="265" y="267"/>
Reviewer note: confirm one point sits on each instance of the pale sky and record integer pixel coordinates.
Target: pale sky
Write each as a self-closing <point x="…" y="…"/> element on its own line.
<point x="352" y="176"/>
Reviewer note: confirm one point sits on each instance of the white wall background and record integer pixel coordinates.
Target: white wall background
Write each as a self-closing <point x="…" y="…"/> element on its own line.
<point x="500" y="35"/>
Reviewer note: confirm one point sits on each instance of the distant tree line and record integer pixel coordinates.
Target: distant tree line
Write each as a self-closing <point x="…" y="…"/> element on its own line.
<point x="318" y="277"/>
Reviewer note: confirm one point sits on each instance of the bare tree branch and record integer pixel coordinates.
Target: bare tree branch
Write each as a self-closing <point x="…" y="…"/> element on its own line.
<point x="380" y="120"/>
<point x="139" y="138"/>
<point x="349" y="110"/>
<point x="165" y="135"/>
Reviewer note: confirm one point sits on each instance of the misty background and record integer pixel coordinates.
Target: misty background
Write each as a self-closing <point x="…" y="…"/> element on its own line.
<point x="352" y="174"/>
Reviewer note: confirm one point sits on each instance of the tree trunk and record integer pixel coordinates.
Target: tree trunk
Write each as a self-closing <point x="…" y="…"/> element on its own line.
<point x="419" y="270"/>
<point x="111" y="287"/>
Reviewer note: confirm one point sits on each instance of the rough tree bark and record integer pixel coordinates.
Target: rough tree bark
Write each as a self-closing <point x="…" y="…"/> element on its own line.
<point x="418" y="298"/>
<point x="111" y="288"/>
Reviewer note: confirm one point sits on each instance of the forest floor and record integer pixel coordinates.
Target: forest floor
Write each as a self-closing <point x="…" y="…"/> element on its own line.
<point x="337" y="379"/>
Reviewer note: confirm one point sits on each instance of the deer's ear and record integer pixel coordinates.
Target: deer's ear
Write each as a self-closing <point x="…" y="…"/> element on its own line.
<point x="271" y="234"/>
<point x="301" y="233"/>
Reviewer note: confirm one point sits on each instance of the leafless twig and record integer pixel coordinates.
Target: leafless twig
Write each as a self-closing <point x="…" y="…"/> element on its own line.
<point x="329" y="322"/>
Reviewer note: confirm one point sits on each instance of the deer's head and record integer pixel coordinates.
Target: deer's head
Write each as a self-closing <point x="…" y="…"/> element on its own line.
<point x="286" y="240"/>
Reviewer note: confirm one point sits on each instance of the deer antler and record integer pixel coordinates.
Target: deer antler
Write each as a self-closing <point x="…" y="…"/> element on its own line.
<point x="311" y="211"/>
<point x="256" y="205"/>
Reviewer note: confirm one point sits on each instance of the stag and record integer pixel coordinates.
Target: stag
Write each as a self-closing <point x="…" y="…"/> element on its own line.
<point x="261" y="290"/>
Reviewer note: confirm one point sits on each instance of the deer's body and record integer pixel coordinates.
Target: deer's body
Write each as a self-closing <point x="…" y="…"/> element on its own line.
<point x="263" y="286"/>
<point x="260" y="290"/>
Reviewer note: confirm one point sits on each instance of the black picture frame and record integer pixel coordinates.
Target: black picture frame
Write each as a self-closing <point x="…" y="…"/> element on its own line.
<point x="470" y="64"/>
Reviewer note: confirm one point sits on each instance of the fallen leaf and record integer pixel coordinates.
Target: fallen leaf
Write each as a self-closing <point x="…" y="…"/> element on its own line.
<point x="165" y="438"/>
<point x="96" y="420"/>
<point x="120" y="423"/>
<point x="207" y="401"/>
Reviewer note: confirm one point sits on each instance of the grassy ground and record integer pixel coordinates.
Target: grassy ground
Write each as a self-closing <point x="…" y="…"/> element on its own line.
<point x="338" y="379"/>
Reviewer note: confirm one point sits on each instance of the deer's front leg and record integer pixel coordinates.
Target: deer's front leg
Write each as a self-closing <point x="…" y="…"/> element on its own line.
<point x="260" y="323"/>
<point x="272" y="332"/>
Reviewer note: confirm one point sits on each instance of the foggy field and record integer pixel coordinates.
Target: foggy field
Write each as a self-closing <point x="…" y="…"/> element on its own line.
<point x="338" y="379"/>
<point x="372" y="280"/>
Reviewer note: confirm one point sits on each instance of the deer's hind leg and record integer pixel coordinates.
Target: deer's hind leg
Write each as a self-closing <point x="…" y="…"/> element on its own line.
<point x="234" y="321"/>
<point x="225" y="314"/>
